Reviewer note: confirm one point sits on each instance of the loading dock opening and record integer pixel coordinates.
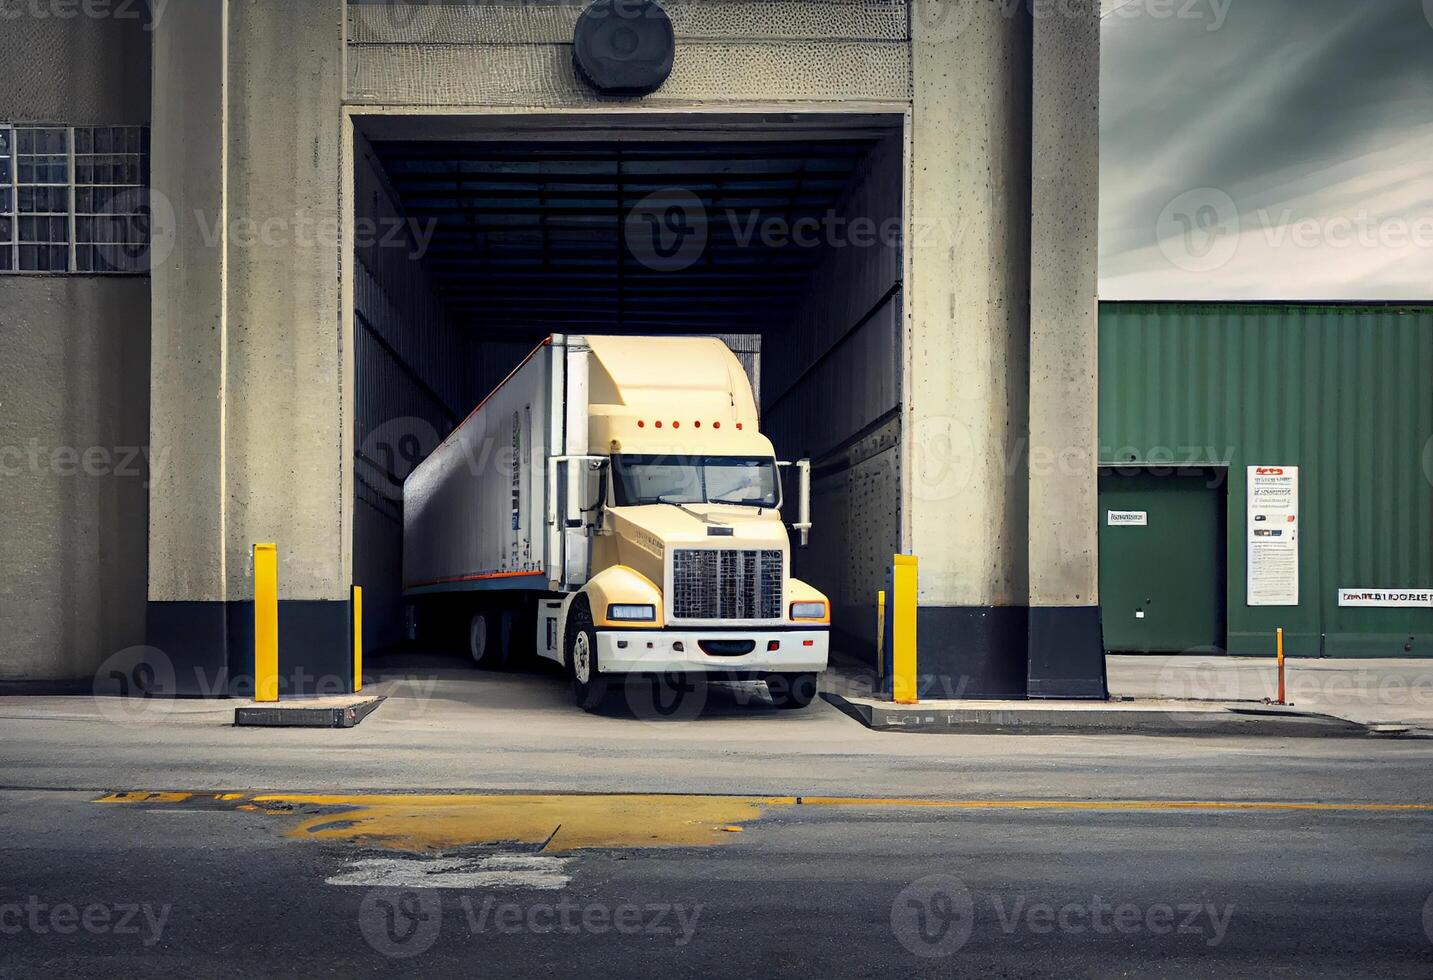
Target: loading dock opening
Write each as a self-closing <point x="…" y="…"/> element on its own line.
<point x="477" y="236"/>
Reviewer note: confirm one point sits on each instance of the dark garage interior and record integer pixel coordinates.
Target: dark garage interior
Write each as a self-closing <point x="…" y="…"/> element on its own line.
<point x="478" y="237"/>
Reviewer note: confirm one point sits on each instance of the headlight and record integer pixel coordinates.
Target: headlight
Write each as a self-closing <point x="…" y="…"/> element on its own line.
<point x="631" y="614"/>
<point x="808" y="610"/>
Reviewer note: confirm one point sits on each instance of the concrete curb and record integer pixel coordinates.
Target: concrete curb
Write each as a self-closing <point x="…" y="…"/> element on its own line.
<point x="331" y="713"/>
<point x="1102" y="718"/>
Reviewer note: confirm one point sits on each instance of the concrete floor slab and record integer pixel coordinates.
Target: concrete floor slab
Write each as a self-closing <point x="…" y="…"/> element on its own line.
<point x="1371" y="692"/>
<point x="341" y="711"/>
<point x="1145" y="717"/>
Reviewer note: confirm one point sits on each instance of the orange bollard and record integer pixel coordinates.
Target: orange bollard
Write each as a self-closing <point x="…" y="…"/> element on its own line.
<point x="1279" y="634"/>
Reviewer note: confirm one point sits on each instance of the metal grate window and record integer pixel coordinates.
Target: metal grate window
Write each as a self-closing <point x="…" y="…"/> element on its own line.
<point x="74" y="199"/>
<point x="7" y="199"/>
<point x="726" y="584"/>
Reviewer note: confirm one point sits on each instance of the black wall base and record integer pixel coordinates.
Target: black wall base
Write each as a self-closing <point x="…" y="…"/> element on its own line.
<point x="207" y="648"/>
<point x="1067" y="653"/>
<point x="971" y="651"/>
<point x="1005" y="652"/>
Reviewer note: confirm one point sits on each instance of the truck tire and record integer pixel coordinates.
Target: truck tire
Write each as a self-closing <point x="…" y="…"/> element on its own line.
<point x="791" y="690"/>
<point x="589" y="688"/>
<point x="485" y="639"/>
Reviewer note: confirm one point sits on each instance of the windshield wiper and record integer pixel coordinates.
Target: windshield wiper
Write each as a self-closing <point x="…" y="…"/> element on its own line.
<point x="760" y="504"/>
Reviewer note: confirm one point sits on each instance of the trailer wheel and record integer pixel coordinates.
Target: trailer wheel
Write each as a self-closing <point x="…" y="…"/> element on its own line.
<point x="589" y="688"/>
<point x="484" y="640"/>
<point x="791" y="690"/>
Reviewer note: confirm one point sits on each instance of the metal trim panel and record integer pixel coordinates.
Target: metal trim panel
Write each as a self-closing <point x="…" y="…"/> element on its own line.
<point x="529" y="23"/>
<point x="534" y="76"/>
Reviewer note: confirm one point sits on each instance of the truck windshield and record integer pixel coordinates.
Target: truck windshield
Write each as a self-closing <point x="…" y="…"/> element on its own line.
<point x="695" y="480"/>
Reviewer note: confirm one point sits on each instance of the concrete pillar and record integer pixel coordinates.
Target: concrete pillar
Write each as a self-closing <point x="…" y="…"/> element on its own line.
<point x="967" y="356"/>
<point x="247" y="363"/>
<point x="1066" y="641"/>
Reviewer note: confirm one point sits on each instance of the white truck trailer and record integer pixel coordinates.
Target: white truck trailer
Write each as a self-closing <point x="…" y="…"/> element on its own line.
<point x="613" y="506"/>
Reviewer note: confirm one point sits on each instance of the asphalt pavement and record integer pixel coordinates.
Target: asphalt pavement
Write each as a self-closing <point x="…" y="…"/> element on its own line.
<point x="478" y="824"/>
<point x="96" y="889"/>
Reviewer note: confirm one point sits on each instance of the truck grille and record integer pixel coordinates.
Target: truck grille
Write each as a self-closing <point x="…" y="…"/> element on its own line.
<point x="726" y="584"/>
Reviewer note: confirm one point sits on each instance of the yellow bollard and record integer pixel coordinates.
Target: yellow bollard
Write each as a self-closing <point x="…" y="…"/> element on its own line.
<point x="881" y="633"/>
<point x="904" y="689"/>
<point x="357" y="638"/>
<point x="266" y="622"/>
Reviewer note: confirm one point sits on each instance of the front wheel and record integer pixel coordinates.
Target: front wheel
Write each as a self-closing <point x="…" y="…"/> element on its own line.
<point x="589" y="687"/>
<point x="791" y="690"/>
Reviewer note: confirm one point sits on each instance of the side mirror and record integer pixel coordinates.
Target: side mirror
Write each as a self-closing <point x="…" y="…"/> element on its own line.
<point x="803" y="499"/>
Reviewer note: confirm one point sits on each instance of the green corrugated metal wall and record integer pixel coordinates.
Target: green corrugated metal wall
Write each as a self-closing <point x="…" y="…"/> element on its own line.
<point x="1343" y="392"/>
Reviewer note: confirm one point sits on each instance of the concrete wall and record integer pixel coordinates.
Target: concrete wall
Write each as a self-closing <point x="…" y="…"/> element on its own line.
<point x="74" y="70"/>
<point x="74" y="382"/>
<point x="250" y="356"/>
<point x="521" y="54"/>
<point x="252" y="366"/>
<point x="833" y="393"/>
<point x="74" y="433"/>
<point x="967" y="355"/>
<point x="1066" y="641"/>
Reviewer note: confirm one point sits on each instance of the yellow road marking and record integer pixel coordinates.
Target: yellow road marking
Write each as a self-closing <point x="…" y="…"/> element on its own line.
<point x="555" y="823"/>
<point x="436" y="822"/>
<point x="144" y="797"/>
<point x="1110" y="804"/>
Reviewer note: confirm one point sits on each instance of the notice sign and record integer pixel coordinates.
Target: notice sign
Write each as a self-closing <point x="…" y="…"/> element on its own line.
<point x="1128" y="518"/>
<point x="1273" y="526"/>
<point x="1386" y="598"/>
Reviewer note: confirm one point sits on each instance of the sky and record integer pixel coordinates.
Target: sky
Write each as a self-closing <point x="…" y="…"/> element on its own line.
<point x="1266" y="150"/>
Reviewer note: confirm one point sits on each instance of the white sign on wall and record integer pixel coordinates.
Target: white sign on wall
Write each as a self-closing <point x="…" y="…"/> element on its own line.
<point x="1273" y="535"/>
<point x="1128" y="518"/>
<point x="1386" y="598"/>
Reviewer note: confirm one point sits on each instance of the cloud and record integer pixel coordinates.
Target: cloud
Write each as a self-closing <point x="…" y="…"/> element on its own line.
<point x="1311" y="116"/>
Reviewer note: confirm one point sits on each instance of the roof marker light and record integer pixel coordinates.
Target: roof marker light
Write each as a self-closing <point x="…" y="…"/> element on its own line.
<point x="659" y="425"/>
<point x="676" y="425"/>
<point x="716" y="425"/>
<point x="641" y="424"/>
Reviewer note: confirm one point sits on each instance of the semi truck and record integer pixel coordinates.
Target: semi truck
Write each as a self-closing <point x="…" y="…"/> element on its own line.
<point x="612" y="506"/>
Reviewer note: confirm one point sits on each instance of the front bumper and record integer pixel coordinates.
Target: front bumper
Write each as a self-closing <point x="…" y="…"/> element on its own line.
<point x="657" y="651"/>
